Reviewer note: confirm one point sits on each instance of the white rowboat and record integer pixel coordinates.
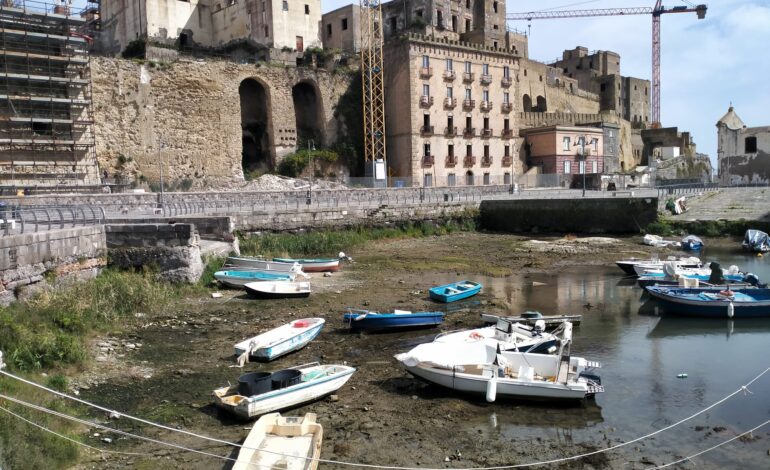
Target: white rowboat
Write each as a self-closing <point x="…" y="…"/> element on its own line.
<point x="279" y="341"/>
<point x="261" y="264"/>
<point x="278" y="442"/>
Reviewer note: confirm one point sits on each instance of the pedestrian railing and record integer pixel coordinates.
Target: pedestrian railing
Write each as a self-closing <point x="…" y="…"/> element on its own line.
<point x="28" y="219"/>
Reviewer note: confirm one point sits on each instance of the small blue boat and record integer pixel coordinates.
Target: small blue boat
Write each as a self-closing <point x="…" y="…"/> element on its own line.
<point x="705" y="302"/>
<point x="455" y="291"/>
<point x="692" y="243"/>
<point x="238" y="279"/>
<point x="661" y="279"/>
<point x="367" y="320"/>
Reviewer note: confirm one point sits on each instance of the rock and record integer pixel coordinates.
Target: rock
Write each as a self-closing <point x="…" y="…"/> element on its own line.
<point x="130" y="346"/>
<point x="101" y="359"/>
<point x="334" y="398"/>
<point x="415" y="397"/>
<point x="327" y="274"/>
<point x="216" y="295"/>
<point x="366" y="426"/>
<point x="366" y="408"/>
<point x="401" y="281"/>
<point x="107" y="440"/>
<point x="114" y="415"/>
<point x="447" y="459"/>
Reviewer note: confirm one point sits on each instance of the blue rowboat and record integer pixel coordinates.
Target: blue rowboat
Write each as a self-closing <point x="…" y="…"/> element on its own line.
<point x="238" y="279"/>
<point x="705" y="302"/>
<point x="367" y="320"/>
<point x="660" y="278"/>
<point x="455" y="291"/>
<point x="692" y="243"/>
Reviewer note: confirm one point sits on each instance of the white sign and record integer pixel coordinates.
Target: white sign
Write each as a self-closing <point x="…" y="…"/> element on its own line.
<point x="379" y="169"/>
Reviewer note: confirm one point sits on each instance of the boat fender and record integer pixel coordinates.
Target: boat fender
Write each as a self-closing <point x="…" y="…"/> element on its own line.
<point x="730" y="310"/>
<point x="492" y="389"/>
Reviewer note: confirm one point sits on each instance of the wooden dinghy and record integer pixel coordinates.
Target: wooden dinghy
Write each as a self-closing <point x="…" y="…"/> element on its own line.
<point x="282" y="442"/>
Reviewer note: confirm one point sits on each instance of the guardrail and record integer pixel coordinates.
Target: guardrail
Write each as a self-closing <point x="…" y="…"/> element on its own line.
<point x="29" y="219"/>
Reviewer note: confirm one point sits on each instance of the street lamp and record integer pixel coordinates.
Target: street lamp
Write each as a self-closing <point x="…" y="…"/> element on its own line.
<point x="582" y="143"/>
<point x="310" y="149"/>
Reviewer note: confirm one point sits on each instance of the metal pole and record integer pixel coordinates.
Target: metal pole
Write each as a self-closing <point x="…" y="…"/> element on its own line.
<point x="583" y="147"/>
<point x="160" y="163"/>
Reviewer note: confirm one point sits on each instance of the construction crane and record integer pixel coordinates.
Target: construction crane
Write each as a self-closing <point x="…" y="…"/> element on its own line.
<point x="657" y="11"/>
<point x="373" y="88"/>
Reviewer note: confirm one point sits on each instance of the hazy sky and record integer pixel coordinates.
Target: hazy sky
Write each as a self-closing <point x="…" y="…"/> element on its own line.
<point x="705" y="64"/>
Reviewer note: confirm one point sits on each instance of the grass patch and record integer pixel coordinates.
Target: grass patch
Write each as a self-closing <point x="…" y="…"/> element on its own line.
<point x="329" y="243"/>
<point x="213" y="264"/>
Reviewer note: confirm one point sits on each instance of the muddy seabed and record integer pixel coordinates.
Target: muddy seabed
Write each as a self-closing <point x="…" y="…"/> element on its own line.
<point x="382" y="415"/>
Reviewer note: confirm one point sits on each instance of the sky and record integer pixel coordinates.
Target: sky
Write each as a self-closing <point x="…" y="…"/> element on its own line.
<point x="705" y="64"/>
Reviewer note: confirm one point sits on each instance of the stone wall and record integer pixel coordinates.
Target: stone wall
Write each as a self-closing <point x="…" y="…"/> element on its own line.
<point x="31" y="261"/>
<point x="187" y="115"/>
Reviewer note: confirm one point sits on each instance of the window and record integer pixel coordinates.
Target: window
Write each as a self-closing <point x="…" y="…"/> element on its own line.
<point x="468" y="67"/>
<point x="467" y="25"/>
<point x="507" y="151"/>
<point x="426" y="150"/>
<point x="449" y="65"/>
<point x="468" y="122"/>
<point x="266" y="32"/>
<point x="565" y="141"/>
<point x="603" y="87"/>
<point x="393" y="24"/>
<point x="450" y="180"/>
<point x="467" y="93"/>
<point x="449" y="92"/>
<point x="494" y="7"/>
<point x="485" y="94"/>
<point x="486" y="178"/>
<point x="506" y="124"/>
<point x="594" y="167"/>
<point x="285" y="5"/>
<point x="486" y="151"/>
<point x="419" y="13"/>
<point x="426" y="90"/>
<point x="507" y="178"/>
<point x="307" y="9"/>
<point x="454" y="23"/>
<point x="469" y="150"/>
<point x="581" y="167"/>
<point x="567" y="167"/>
<point x="439" y="18"/>
<point x="426" y="120"/>
<point x="596" y="144"/>
<point x="469" y="179"/>
<point x="506" y="98"/>
<point x="425" y="61"/>
<point x="450" y="150"/>
<point x="486" y="123"/>
<point x="494" y="43"/>
<point x="485" y="69"/>
<point x="329" y="30"/>
<point x="506" y="72"/>
<point x="467" y="3"/>
<point x="427" y="180"/>
<point x="344" y="24"/>
<point x="750" y="145"/>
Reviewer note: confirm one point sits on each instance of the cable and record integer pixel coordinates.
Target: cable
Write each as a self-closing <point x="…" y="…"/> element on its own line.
<point x="743" y="388"/>
<point x="712" y="447"/>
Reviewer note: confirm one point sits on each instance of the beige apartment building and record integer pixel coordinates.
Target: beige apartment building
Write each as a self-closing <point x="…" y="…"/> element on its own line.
<point x="450" y="112"/>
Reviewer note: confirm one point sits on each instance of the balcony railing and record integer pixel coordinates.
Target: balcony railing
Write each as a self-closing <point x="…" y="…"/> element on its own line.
<point x="506" y="107"/>
<point x="486" y="79"/>
<point x="426" y="130"/>
<point x="449" y="75"/>
<point x="450" y="131"/>
<point x="486" y="105"/>
<point x="486" y="132"/>
<point x="427" y="160"/>
<point x="426" y="72"/>
<point x="469" y="161"/>
<point x="506" y="82"/>
<point x="468" y="77"/>
<point x="469" y="132"/>
<point x="426" y="101"/>
<point x="450" y="103"/>
<point x="507" y="133"/>
<point x="507" y="160"/>
<point x="451" y="161"/>
<point x="469" y="104"/>
<point x="486" y="161"/>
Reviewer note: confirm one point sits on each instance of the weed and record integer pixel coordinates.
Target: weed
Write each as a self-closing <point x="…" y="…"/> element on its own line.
<point x="213" y="264"/>
<point x="57" y="382"/>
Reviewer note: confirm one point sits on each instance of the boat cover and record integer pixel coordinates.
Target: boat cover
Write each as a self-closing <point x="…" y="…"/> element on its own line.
<point x="451" y="354"/>
<point x="756" y="240"/>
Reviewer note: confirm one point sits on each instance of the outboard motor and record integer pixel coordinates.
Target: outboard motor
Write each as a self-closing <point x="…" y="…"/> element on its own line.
<point x="539" y="328"/>
<point x="753" y="279"/>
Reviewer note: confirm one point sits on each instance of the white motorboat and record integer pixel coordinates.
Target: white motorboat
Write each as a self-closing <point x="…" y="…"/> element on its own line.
<point x="279" y="341"/>
<point x="278" y="289"/>
<point x="282" y="442"/>
<point x="264" y="392"/>
<point x="627" y="265"/>
<point x="261" y="264"/>
<point x="479" y="368"/>
<point x="510" y="336"/>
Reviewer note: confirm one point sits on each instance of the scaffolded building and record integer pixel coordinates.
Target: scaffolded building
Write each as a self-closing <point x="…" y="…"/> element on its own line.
<point x="46" y="120"/>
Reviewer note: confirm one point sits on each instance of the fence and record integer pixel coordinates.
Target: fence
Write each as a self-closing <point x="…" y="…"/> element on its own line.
<point x="30" y="219"/>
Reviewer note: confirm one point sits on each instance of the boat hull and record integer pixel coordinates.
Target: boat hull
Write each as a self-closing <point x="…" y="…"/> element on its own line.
<point x="282" y="442"/>
<point x="393" y="321"/>
<point x="283" y="346"/>
<point x="232" y="279"/>
<point x="446" y="294"/>
<point x="261" y="264"/>
<point x="313" y="266"/>
<point x="672" y="302"/>
<point x="261" y="290"/>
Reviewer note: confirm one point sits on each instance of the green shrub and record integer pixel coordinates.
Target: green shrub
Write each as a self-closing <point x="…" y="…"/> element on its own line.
<point x="294" y="164"/>
<point x="57" y="382"/>
<point x="213" y="264"/>
<point x="135" y="49"/>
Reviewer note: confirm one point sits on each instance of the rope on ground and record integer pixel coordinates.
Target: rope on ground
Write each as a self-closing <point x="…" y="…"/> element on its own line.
<point x="742" y="389"/>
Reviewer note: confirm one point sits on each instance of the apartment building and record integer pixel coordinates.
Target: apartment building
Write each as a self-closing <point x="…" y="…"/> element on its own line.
<point x="573" y="152"/>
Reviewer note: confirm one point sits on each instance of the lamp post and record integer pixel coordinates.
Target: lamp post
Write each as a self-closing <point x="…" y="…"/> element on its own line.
<point x="160" y="164"/>
<point x="310" y="149"/>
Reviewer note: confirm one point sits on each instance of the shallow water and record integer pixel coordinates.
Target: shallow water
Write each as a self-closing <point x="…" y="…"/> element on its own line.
<point x="642" y="355"/>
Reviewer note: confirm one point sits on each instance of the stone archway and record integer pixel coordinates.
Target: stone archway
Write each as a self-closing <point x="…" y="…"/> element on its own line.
<point x="526" y="104"/>
<point x="308" y="113"/>
<point x="255" y="126"/>
<point x="542" y="106"/>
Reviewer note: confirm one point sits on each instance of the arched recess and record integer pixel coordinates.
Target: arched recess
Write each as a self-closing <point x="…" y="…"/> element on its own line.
<point x="526" y="104"/>
<point x="469" y="180"/>
<point x="541" y="104"/>
<point x="255" y="126"/>
<point x="308" y="113"/>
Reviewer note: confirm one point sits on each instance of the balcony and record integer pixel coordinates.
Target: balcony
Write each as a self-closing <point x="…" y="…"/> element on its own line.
<point x="450" y="131"/>
<point x="486" y="79"/>
<point x="451" y="161"/>
<point x="506" y="82"/>
<point x="469" y="132"/>
<point x="506" y="107"/>
<point x="449" y="75"/>
<point x="426" y="130"/>
<point x="469" y="161"/>
<point x="486" y="105"/>
<point x="507" y="134"/>
<point x="426" y="101"/>
<point x="468" y="105"/>
<point x="486" y="161"/>
<point x="468" y="77"/>
<point x="486" y="133"/>
<point x="426" y="72"/>
<point x="507" y="161"/>
<point x="427" y="161"/>
<point x="450" y="103"/>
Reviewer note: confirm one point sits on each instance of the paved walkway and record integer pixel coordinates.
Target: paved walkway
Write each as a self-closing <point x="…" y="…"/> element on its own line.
<point x="729" y="204"/>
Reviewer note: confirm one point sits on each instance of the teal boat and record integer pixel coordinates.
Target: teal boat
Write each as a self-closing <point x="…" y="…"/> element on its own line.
<point x="238" y="279"/>
<point x="455" y="291"/>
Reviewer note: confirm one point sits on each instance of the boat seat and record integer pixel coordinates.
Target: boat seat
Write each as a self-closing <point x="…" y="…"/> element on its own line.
<point x="452" y="290"/>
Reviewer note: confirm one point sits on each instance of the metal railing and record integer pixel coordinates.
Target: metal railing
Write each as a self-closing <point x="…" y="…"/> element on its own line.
<point x="29" y="219"/>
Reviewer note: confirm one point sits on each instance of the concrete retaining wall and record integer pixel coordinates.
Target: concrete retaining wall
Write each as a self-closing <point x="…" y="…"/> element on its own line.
<point x="607" y="215"/>
<point x="31" y="261"/>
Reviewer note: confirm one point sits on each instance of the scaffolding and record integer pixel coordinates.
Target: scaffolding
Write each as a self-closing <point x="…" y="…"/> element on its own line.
<point x="46" y="118"/>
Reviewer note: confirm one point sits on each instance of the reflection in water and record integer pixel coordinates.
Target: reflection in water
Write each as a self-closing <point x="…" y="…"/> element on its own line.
<point x="672" y="326"/>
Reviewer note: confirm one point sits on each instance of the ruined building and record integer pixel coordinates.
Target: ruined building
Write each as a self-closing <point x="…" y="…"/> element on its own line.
<point x="46" y="124"/>
<point x="743" y="153"/>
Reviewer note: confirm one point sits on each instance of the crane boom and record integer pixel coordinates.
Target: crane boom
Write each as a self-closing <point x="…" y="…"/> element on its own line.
<point x="655" y="11"/>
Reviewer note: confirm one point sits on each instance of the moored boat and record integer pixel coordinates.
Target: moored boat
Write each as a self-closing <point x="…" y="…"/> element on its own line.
<point x="279" y="341"/>
<point x="261" y="264"/>
<point x="756" y="241"/>
<point x="455" y="291"/>
<point x="262" y="392"/>
<point x="629" y="265"/>
<point x="692" y="243"/>
<point x="282" y="442"/>
<point x="278" y="289"/>
<point x="713" y="302"/>
<point x="532" y="317"/>
<point x="701" y="276"/>
<point x="510" y="336"/>
<point x="238" y="279"/>
<point x="311" y="265"/>
<point x="367" y="320"/>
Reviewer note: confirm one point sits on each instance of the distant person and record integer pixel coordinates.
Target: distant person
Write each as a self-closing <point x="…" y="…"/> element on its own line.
<point x="717" y="276"/>
<point x="106" y="175"/>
